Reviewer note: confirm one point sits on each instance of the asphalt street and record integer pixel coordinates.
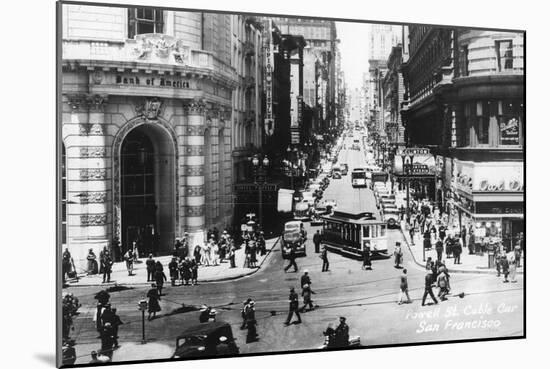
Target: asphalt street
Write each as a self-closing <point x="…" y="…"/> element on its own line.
<point x="489" y="308"/>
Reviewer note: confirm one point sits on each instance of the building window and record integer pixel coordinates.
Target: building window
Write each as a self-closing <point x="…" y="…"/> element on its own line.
<point x="510" y="123"/>
<point x="63" y="195"/>
<point x="505" y="56"/>
<point x="463" y="61"/>
<point x="482" y="123"/>
<point x="144" y="20"/>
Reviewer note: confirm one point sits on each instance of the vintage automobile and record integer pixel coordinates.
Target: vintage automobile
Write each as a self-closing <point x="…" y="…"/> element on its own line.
<point x="320" y="210"/>
<point x="206" y="340"/>
<point x="302" y="210"/>
<point x="391" y="215"/>
<point x="293" y="239"/>
<point x="344" y="169"/>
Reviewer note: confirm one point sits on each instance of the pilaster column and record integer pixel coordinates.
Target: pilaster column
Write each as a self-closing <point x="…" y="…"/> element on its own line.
<point x="88" y="176"/>
<point x="193" y="152"/>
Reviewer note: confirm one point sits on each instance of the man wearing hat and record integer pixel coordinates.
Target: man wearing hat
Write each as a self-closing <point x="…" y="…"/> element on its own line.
<point x="173" y="268"/>
<point x="244" y="311"/>
<point x="251" y="335"/>
<point x="317" y="241"/>
<point x="342" y="333"/>
<point x="292" y="260"/>
<point x="107" y="340"/>
<point x="324" y="257"/>
<point x="428" y="280"/>
<point x="293" y="307"/>
<point x="305" y="279"/>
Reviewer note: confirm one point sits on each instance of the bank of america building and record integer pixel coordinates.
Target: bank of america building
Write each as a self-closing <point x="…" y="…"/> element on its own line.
<point x="146" y="127"/>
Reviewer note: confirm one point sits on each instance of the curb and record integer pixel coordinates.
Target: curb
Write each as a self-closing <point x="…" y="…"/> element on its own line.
<point x="248" y="273"/>
<point x="489" y="272"/>
<point x="141" y="284"/>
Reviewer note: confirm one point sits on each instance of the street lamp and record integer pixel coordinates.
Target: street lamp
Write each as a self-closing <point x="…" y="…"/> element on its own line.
<point x="407" y="171"/>
<point x="259" y="179"/>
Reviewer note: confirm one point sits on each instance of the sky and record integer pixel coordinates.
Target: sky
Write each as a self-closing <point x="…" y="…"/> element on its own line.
<point x="354" y="51"/>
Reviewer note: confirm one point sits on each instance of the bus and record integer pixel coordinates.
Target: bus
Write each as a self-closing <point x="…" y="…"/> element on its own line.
<point x="349" y="233"/>
<point x="358" y="178"/>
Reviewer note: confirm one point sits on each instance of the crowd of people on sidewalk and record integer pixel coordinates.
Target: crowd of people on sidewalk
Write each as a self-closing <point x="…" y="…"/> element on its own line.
<point x="217" y="249"/>
<point x="425" y="218"/>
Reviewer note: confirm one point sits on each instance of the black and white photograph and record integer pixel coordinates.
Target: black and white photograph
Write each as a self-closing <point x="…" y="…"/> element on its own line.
<point x="241" y="183"/>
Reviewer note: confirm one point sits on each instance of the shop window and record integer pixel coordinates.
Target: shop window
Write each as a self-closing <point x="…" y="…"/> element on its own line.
<point x="505" y="55"/>
<point x="510" y="120"/>
<point x="144" y="20"/>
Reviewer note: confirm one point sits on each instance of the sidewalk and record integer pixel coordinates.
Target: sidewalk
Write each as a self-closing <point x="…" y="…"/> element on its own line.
<point x="468" y="263"/>
<point x="221" y="272"/>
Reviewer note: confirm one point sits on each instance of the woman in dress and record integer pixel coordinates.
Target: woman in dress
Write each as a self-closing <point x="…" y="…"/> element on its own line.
<point x="154" y="298"/>
<point x="160" y="277"/>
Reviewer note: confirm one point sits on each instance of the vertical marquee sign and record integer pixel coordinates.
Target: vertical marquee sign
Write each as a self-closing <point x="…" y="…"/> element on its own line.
<point x="268" y="83"/>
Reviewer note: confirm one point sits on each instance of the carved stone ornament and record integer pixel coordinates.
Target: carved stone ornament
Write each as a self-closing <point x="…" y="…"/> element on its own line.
<point x="86" y="101"/>
<point x="97" y="102"/>
<point x="150" y="108"/>
<point x="194" y="130"/>
<point x="93" y="219"/>
<point x="92" y="152"/>
<point x="88" y="129"/>
<point x="92" y="197"/>
<point x="92" y="174"/>
<point x="151" y="46"/>
<point x="196" y="107"/>
<point x="77" y="101"/>
<point x="194" y="190"/>
<point x="193" y="170"/>
<point x="194" y="211"/>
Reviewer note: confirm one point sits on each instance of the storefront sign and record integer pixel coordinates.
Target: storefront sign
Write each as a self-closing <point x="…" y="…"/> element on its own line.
<point x="423" y="162"/>
<point x="499" y="208"/>
<point x="299" y="109"/>
<point x="294" y="136"/>
<point x="509" y="132"/>
<point x="498" y="177"/>
<point x="137" y="80"/>
<point x="250" y="187"/>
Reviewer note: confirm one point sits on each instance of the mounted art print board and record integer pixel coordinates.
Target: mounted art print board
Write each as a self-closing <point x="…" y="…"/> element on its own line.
<point x="235" y="184"/>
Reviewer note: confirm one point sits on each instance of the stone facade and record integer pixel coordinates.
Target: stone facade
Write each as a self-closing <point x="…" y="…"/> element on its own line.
<point x="163" y="87"/>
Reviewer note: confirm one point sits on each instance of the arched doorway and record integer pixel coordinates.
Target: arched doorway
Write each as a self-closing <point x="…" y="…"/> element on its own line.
<point x="147" y="190"/>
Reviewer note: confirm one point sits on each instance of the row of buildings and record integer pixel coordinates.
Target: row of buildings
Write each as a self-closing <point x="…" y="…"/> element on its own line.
<point x="162" y="112"/>
<point x="457" y="96"/>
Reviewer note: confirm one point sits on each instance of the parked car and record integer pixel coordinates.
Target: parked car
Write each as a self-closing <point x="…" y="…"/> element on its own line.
<point x="206" y="340"/>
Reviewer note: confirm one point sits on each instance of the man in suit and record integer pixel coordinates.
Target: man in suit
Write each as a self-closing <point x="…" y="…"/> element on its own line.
<point x="293" y="307"/>
<point x="428" y="280"/>
<point x="324" y="257"/>
<point x="292" y="260"/>
<point x="317" y="241"/>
